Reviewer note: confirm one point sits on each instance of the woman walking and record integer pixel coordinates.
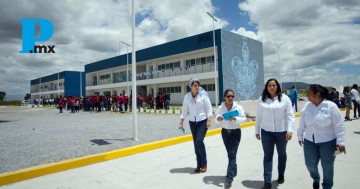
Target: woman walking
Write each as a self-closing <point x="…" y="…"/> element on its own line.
<point x="231" y="133"/>
<point x="197" y="104"/>
<point x="347" y="102"/>
<point x="274" y="121"/>
<point x="324" y="130"/>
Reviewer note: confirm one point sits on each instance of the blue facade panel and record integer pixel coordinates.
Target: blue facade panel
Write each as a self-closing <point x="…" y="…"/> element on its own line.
<point x="72" y="83"/>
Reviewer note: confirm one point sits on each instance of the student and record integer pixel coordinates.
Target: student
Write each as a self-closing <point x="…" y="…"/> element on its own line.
<point x="197" y="104"/>
<point x="293" y="97"/>
<point x="231" y="133"/>
<point x="274" y="120"/>
<point x="324" y="133"/>
<point x="347" y="102"/>
<point x="355" y="99"/>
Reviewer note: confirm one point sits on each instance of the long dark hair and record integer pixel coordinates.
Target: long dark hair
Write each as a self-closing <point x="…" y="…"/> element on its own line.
<point x="226" y="92"/>
<point x="355" y="86"/>
<point x="346" y="89"/>
<point x="324" y="92"/>
<point x="266" y="94"/>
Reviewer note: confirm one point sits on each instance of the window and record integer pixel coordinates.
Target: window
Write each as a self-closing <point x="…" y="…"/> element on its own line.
<point x="177" y="89"/>
<point x="192" y="62"/>
<point x="188" y="63"/>
<point x="198" y="61"/>
<point x="203" y="60"/>
<point x="204" y="87"/>
<point x="177" y="64"/>
<point x="107" y="76"/>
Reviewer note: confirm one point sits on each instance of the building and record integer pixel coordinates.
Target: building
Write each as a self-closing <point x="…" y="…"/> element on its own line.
<point x="168" y="68"/>
<point x="66" y="83"/>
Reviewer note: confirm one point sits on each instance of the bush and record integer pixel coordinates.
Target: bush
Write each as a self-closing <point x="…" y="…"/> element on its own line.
<point x="10" y="103"/>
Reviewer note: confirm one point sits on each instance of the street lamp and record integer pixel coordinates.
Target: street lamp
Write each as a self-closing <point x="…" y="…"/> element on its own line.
<point x="215" y="72"/>
<point x="127" y="66"/>
<point x="278" y="46"/>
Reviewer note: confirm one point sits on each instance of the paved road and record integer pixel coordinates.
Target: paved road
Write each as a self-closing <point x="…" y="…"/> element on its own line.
<point x="172" y="167"/>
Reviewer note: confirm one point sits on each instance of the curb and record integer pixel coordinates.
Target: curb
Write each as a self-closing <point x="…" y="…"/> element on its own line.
<point x="25" y="174"/>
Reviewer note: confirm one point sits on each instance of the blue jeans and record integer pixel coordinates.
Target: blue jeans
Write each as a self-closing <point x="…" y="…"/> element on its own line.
<point x="231" y="138"/>
<point x="198" y="131"/>
<point x="269" y="140"/>
<point x="356" y="107"/>
<point x="314" y="152"/>
<point x="294" y="102"/>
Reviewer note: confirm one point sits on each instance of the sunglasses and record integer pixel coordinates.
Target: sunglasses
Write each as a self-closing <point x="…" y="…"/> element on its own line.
<point x="230" y="96"/>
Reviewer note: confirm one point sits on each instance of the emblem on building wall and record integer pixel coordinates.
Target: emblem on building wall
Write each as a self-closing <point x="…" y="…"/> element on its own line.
<point x="246" y="72"/>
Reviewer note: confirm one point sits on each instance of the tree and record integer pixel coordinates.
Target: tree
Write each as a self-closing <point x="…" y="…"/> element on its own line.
<point x="2" y="95"/>
<point x="27" y="96"/>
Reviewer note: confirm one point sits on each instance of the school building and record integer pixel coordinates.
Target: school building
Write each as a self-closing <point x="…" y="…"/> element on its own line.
<point x="66" y="83"/>
<point x="168" y="68"/>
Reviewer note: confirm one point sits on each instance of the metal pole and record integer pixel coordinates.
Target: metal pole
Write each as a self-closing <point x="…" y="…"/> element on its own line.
<point x="80" y="84"/>
<point x="127" y="66"/>
<point x="58" y="87"/>
<point x="215" y="72"/>
<point x="134" y="91"/>
<point x="40" y="93"/>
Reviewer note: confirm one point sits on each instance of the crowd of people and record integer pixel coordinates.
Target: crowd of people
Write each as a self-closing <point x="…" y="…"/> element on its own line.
<point x="99" y="103"/>
<point x="321" y="130"/>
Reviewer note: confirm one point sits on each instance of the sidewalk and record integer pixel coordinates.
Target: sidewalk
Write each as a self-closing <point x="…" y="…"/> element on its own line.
<point x="172" y="167"/>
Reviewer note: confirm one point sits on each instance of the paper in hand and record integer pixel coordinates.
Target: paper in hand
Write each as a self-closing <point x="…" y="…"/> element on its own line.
<point x="227" y="116"/>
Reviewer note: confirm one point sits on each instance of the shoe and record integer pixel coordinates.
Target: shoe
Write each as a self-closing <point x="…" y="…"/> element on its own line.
<point x="267" y="186"/>
<point x="281" y="179"/>
<point x="197" y="169"/>
<point x="203" y="168"/>
<point x="227" y="184"/>
<point x="316" y="185"/>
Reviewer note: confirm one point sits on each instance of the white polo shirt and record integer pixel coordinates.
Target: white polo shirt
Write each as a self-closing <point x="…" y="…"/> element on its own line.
<point x="274" y="115"/>
<point x="230" y="124"/>
<point x="321" y="123"/>
<point x="199" y="108"/>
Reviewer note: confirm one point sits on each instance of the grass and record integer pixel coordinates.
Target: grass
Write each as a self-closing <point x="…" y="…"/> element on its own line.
<point x="10" y="103"/>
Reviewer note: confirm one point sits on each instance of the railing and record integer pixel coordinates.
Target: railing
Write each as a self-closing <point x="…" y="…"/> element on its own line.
<point x="202" y="68"/>
<point x="46" y="89"/>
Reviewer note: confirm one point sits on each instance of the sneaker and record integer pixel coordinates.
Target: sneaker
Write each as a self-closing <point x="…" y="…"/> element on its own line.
<point x="281" y="179"/>
<point x="316" y="185"/>
<point x="267" y="186"/>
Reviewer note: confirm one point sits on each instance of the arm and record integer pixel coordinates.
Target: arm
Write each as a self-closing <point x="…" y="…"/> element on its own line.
<point x="242" y="117"/>
<point x="339" y="126"/>
<point x="301" y="129"/>
<point x="185" y="110"/>
<point x="290" y="117"/>
<point x="209" y="111"/>
<point x="219" y="113"/>
<point x="259" y="113"/>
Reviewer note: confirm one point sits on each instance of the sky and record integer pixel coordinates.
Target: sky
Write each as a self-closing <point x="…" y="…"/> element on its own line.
<point x="312" y="41"/>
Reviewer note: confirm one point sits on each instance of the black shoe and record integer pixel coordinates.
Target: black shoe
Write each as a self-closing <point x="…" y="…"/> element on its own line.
<point x="197" y="169"/>
<point x="267" y="186"/>
<point x="227" y="184"/>
<point x="316" y="185"/>
<point x="281" y="179"/>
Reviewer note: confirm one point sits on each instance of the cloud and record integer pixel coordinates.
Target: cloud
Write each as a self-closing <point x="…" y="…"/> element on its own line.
<point x="88" y="31"/>
<point x="310" y="34"/>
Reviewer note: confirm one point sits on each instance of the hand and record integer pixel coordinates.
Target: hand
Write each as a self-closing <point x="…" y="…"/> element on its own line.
<point x="220" y="118"/>
<point x="208" y="123"/>
<point x="341" y="148"/>
<point x="233" y="119"/>
<point x="181" y="125"/>
<point x="288" y="136"/>
<point x="258" y="136"/>
<point x="301" y="143"/>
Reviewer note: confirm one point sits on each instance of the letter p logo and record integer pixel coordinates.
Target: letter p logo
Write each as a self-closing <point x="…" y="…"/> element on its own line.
<point x="28" y="33"/>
